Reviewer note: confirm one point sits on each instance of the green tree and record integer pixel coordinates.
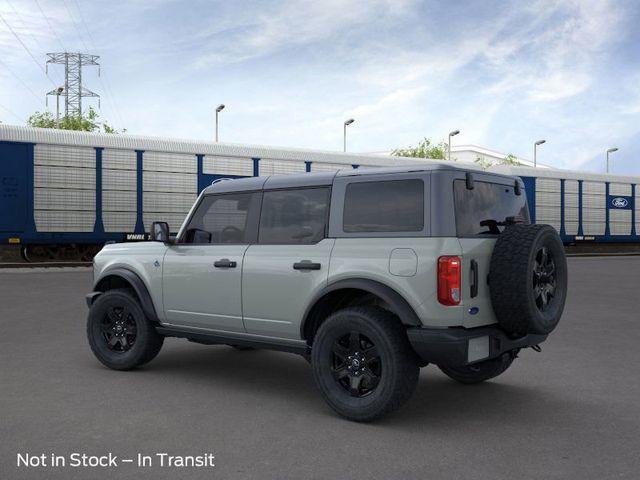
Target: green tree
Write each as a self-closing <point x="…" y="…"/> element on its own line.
<point x="86" y="123"/>
<point x="510" y="159"/>
<point x="483" y="162"/>
<point x="425" y="149"/>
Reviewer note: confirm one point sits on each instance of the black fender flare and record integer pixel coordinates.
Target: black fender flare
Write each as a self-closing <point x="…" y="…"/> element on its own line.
<point x="398" y="304"/>
<point x="138" y="285"/>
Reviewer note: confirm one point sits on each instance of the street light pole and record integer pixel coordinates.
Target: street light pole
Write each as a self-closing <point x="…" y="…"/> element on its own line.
<point x="611" y="150"/>
<point x="535" y="152"/>
<point x="59" y="90"/>
<point x="344" y="133"/>
<point x="451" y="134"/>
<point x="219" y="108"/>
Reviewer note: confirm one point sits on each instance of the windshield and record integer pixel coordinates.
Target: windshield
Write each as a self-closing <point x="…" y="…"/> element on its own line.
<point x="485" y="209"/>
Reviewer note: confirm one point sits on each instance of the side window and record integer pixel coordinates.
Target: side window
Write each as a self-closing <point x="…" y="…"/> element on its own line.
<point x="294" y="216"/>
<point x="386" y="206"/>
<point x="225" y="218"/>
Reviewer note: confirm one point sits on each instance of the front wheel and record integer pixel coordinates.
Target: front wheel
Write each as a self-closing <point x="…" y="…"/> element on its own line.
<point x="119" y="333"/>
<point x="363" y="363"/>
<point x="481" y="371"/>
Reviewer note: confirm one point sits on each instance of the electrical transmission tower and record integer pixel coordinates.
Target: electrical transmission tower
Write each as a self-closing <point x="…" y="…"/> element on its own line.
<point x="73" y="91"/>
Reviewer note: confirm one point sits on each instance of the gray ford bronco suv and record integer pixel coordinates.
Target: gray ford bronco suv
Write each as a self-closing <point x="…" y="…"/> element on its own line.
<point x="369" y="273"/>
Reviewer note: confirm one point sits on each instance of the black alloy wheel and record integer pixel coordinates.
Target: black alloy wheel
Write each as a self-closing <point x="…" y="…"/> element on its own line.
<point x="544" y="278"/>
<point x="119" y="333"/>
<point x="356" y="364"/>
<point x="119" y="329"/>
<point x="363" y="362"/>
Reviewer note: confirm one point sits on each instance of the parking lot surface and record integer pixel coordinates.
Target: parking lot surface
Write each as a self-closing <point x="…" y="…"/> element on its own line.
<point x="570" y="412"/>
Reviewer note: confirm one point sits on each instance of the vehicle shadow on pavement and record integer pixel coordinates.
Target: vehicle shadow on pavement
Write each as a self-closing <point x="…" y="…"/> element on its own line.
<point x="438" y="401"/>
<point x="221" y="366"/>
<point x="442" y="403"/>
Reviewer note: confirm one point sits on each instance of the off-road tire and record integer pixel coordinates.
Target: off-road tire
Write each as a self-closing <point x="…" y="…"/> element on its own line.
<point x="481" y="371"/>
<point x="398" y="365"/>
<point x="513" y="279"/>
<point x="144" y="347"/>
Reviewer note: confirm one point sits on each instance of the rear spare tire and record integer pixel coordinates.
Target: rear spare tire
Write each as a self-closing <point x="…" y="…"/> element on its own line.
<point x="528" y="279"/>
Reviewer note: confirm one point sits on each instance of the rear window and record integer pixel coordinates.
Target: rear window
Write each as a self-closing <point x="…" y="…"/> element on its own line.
<point x="387" y="206"/>
<point x="481" y="211"/>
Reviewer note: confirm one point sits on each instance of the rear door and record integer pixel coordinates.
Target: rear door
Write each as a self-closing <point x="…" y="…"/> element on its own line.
<point x="290" y="262"/>
<point x="479" y="211"/>
<point x="13" y="186"/>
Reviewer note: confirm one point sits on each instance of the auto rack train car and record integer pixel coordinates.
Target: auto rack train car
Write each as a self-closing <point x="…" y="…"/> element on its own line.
<point x="64" y="194"/>
<point x="581" y="206"/>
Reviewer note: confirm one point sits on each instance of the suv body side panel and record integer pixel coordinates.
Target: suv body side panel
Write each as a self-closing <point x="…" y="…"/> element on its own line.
<point x="197" y="293"/>
<point x="369" y="258"/>
<point x="275" y="296"/>
<point x="145" y="259"/>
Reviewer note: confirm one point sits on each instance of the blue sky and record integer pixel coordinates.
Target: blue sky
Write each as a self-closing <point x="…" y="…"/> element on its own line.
<point x="290" y="72"/>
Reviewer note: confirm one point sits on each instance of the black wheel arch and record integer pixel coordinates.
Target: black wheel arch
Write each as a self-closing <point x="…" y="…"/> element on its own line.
<point x="123" y="277"/>
<point x="395" y="302"/>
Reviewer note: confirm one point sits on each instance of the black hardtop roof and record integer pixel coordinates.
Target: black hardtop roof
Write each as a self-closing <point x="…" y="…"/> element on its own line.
<point x="312" y="179"/>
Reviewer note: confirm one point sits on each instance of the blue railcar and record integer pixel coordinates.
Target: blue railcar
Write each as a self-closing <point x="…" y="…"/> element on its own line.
<point x="65" y="193"/>
<point x="581" y="206"/>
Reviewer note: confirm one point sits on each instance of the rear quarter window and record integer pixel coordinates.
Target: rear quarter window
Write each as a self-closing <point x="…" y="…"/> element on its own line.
<point x="384" y="206"/>
<point x="478" y="211"/>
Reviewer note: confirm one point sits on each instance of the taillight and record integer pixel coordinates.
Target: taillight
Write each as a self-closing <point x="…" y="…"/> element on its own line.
<point x="449" y="280"/>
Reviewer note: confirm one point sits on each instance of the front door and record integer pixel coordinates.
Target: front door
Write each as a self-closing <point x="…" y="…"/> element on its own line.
<point x="202" y="273"/>
<point x="290" y="262"/>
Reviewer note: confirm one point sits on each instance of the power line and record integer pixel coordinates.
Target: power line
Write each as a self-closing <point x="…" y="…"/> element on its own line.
<point x="27" y="49"/>
<point x="50" y="26"/>
<point x="11" y="112"/>
<point x="75" y="26"/>
<point x="24" y="24"/>
<point x="106" y="84"/>
<point x="21" y="81"/>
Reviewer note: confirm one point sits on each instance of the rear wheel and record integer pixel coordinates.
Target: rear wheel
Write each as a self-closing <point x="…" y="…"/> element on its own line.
<point x="481" y="371"/>
<point x="363" y="363"/>
<point x="119" y="334"/>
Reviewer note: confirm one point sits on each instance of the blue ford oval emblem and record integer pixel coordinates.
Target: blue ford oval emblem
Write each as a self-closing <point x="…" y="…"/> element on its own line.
<point x="619" y="202"/>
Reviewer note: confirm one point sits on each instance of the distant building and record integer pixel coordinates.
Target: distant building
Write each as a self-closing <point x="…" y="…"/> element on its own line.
<point x="471" y="153"/>
<point x="478" y="155"/>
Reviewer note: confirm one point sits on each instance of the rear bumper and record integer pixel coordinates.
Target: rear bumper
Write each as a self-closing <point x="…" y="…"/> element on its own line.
<point x="462" y="346"/>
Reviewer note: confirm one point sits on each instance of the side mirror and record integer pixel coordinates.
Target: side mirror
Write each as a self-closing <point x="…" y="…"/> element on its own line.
<point x="160" y="232"/>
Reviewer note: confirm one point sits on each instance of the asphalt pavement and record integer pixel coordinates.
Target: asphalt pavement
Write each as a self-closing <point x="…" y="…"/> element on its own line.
<point x="569" y="412"/>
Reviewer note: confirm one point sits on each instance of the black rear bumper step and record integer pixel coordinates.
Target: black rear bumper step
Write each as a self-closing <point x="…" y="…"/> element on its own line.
<point x="450" y="346"/>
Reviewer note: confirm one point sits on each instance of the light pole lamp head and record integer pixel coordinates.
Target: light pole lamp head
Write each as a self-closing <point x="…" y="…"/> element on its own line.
<point x="611" y="150"/>
<point x="540" y="142"/>
<point x="60" y="90"/>
<point x="348" y="122"/>
<point x="454" y="133"/>
<point x="220" y="108"/>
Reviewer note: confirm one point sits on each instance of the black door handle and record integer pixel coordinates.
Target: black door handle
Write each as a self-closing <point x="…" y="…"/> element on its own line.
<point x="306" y="265"/>
<point x="474" y="279"/>
<point x="224" y="263"/>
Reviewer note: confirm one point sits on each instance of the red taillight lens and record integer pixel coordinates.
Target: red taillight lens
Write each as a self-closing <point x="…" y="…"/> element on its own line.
<point x="449" y="280"/>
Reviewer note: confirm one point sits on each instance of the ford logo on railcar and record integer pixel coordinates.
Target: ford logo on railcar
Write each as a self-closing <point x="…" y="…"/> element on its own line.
<point x="619" y="202"/>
